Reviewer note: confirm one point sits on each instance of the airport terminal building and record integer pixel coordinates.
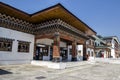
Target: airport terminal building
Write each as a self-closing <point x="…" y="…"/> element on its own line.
<point x="53" y="34"/>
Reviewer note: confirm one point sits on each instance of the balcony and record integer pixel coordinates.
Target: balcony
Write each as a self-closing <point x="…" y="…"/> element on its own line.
<point x="90" y="46"/>
<point x="109" y="44"/>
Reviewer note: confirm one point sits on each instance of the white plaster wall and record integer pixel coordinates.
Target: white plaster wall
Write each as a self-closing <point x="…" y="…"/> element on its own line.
<point x="47" y="41"/>
<point x="105" y="53"/>
<point x="69" y="56"/>
<point x="80" y="56"/>
<point x="91" y="53"/>
<point x="63" y="44"/>
<point x="113" y="50"/>
<point x="15" y="57"/>
<point x="113" y="53"/>
<point x="91" y="50"/>
<point x="46" y="58"/>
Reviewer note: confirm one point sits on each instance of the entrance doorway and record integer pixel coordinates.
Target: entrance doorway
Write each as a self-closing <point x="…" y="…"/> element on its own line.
<point x="45" y="52"/>
<point x="63" y="54"/>
<point x="41" y="51"/>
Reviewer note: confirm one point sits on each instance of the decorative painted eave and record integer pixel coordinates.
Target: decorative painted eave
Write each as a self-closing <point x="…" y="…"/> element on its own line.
<point x="16" y="24"/>
<point x="55" y="12"/>
<point x="6" y="39"/>
<point x="58" y="23"/>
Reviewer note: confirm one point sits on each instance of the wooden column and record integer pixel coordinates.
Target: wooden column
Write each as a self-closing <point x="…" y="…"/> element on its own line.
<point x="74" y="51"/>
<point x="56" y="47"/>
<point x="84" y="52"/>
<point x="34" y="53"/>
<point x="108" y="54"/>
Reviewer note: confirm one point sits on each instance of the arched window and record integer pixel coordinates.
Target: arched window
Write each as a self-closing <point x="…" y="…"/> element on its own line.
<point x="88" y="53"/>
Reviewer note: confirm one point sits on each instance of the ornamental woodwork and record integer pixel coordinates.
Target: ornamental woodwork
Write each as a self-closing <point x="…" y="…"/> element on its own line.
<point x="74" y="51"/>
<point x="38" y="29"/>
<point x="16" y="24"/>
<point x="6" y="44"/>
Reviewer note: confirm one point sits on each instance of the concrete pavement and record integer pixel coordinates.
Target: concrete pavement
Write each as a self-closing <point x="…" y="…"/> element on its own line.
<point x="96" y="71"/>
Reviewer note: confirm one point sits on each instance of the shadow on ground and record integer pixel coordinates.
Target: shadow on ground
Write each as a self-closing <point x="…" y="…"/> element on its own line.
<point x="3" y="72"/>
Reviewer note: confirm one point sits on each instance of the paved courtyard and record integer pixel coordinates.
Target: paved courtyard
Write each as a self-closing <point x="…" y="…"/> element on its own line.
<point x="97" y="71"/>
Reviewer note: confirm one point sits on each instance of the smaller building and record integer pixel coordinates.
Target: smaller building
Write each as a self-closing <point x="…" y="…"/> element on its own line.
<point x="90" y="48"/>
<point x="102" y="50"/>
<point x="114" y="43"/>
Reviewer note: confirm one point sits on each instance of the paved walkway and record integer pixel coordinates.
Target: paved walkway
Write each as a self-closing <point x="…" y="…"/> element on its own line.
<point x="97" y="71"/>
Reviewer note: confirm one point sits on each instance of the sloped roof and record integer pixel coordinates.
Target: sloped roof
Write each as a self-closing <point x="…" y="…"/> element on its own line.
<point x="55" y="12"/>
<point x="112" y="37"/>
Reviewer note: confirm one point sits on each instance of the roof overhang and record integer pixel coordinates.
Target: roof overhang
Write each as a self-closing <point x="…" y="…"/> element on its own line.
<point x="54" y="12"/>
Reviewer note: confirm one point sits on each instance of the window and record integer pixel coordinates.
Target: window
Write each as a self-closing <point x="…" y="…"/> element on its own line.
<point x="95" y="43"/>
<point x="6" y="44"/>
<point x="79" y="53"/>
<point x="45" y="51"/>
<point x="92" y="53"/>
<point x="70" y="52"/>
<point x="23" y="46"/>
<point x="90" y="42"/>
<point x="88" y="53"/>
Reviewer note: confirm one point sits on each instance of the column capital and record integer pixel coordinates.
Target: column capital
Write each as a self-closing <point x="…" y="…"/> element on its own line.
<point x="56" y="34"/>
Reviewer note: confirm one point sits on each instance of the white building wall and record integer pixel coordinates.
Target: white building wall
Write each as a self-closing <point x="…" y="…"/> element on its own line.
<point x="113" y="53"/>
<point x="16" y="57"/>
<point x="47" y="41"/>
<point x="113" y="49"/>
<point x="80" y="55"/>
<point x="90" y="50"/>
<point x="105" y="53"/>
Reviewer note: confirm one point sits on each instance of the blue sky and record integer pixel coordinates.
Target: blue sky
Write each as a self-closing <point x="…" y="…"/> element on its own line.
<point x="101" y="15"/>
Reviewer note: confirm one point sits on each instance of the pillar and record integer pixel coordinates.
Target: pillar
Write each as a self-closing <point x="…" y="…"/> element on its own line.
<point x="106" y="54"/>
<point x="49" y="52"/>
<point x="74" y="51"/>
<point x="84" y="52"/>
<point x="56" y="47"/>
<point x="34" y="53"/>
<point x="109" y="54"/>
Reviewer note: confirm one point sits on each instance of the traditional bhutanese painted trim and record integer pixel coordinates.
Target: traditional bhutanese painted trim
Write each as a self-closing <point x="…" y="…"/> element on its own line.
<point x="53" y="25"/>
<point x="23" y="41"/>
<point x="6" y="39"/>
<point x="15" y="24"/>
<point x="58" y="24"/>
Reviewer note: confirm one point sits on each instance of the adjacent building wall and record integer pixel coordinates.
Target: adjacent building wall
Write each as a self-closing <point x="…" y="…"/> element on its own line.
<point x="15" y="57"/>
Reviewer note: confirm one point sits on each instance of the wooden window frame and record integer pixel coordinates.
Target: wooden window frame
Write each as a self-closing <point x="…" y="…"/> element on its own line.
<point x="6" y="44"/>
<point x="23" y="46"/>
